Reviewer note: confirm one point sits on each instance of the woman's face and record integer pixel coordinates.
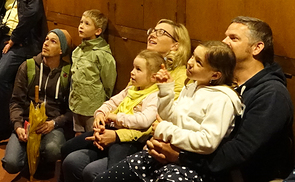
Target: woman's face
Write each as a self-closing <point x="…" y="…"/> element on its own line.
<point x="162" y="44"/>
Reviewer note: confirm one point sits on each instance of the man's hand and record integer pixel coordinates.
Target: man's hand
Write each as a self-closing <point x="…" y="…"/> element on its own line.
<point x="162" y="151"/>
<point x="21" y="133"/>
<point x="99" y="120"/>
<point x="163" y="75"/>
<point x="45" y="128"/>
<point x="9" y="44"/>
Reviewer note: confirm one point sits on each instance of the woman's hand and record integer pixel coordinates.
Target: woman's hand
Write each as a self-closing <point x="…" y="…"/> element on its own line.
<point x="96" y="137"/>
<point x="104" y="139"/>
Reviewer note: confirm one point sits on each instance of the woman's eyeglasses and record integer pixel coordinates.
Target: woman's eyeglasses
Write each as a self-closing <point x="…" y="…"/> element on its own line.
<point x="160" y="32"/>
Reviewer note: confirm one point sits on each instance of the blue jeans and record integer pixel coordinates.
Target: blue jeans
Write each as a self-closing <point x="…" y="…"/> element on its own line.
<point x="15" y="157"/>
<point x="83" y="161"/>
<point x="9" y="64"/>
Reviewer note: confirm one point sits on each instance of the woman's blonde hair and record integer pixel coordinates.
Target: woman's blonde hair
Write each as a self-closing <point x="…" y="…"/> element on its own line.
<point x="183" y="53"/>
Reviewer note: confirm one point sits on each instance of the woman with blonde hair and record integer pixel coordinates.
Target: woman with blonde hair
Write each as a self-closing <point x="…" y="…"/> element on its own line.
<point x="172" y="41"/>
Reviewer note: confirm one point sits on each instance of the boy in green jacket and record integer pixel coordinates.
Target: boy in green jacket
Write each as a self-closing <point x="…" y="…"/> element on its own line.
<point x="93" y="71"/>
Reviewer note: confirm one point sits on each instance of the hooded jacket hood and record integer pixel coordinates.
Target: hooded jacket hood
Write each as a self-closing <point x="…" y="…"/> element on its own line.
<point x="271" y="72"/>
<point x="233" y="95"/>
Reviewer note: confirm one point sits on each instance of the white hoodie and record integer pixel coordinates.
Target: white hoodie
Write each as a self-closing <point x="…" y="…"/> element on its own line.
<point x="199" y="119"/>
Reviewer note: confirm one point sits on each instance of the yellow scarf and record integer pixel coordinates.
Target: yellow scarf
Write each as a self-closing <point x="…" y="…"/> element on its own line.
<point x="133" y="98"/>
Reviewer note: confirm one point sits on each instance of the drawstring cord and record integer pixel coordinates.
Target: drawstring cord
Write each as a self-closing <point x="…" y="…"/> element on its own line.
<point x="57" y="88"/>
<point x="40" y="76"/>
<point x="40" y="82"/>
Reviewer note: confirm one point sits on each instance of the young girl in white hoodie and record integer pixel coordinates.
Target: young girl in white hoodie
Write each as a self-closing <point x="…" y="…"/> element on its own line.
<point x="197" y="122"/>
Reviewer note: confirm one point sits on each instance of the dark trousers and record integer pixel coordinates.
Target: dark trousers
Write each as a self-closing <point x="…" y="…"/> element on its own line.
<point x="83" y="161"/>
<point x="9" y="64"/>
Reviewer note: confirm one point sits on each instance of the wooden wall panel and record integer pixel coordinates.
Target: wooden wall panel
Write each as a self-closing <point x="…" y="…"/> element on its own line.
<point x="124" y="52"/>
<point x="281" y="17"/>
<point x="82" y="5"/>
<point x="154" y="10"/>
<point x="129" y="13"/>
<point x="208" y="21"/>
<point x="76" y="7"/>
<point x="72" y="31"/>
<point x="205" y="20"/>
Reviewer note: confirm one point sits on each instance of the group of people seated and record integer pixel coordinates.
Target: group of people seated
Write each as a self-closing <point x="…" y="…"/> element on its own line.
<point x="220" y="112"/>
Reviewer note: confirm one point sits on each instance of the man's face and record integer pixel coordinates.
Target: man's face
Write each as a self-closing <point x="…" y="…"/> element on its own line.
<point x="237" y="37"/>
<point x="51" y="46"/>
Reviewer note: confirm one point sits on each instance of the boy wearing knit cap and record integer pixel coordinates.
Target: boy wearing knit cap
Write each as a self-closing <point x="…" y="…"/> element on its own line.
<point x="93" y="71"/>
<point x="49" y="71"/>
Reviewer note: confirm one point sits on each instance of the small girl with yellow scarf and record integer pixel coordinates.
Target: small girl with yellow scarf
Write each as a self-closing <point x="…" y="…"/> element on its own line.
<point x="133" y="108"/>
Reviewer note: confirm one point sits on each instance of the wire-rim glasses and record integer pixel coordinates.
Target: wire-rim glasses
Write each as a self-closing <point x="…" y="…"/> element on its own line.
<point x="160" y="32"/>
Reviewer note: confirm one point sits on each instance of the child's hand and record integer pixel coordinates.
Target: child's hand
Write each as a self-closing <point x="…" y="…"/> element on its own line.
<point x="163" y="75"/>
<point x="159" y="119"/>
<point x="111" y="117"/>
<point x="155" y="124"/>
<point x="99" y="120"/>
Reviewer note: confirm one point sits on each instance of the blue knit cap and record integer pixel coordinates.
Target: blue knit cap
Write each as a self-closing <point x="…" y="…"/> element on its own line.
<point x="62" y="40"/>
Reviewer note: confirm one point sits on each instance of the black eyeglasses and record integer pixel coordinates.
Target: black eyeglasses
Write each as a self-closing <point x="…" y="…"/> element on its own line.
<point x="160" y="32"/>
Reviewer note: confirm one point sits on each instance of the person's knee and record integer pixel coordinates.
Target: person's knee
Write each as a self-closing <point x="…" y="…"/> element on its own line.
<point x="64" y="150"/>
<point x="71" y="168"/>
<point x="13" y="165"/>
<point x="95" y="168"/>
<point x="51" y="152"/>
<point x="69" y="162"/>
<point x="88" y="174"/>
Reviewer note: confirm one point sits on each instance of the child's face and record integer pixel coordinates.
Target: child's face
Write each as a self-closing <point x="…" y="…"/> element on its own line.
<point x="198" y="68"/>
<point x="140" y="76"/>
<point x="87" y="30"/>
